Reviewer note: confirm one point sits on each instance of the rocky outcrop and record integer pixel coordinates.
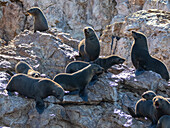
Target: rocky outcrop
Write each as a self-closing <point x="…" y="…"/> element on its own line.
<point x="44" y="52"/>
<point x="107" y="105"/>
<point x="153" y="23"/>
<point x="108" y="98"/>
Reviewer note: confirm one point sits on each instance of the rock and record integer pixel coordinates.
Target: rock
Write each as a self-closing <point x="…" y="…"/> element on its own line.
<point x="157" y="4"/>
<point x="107" y="106"/>
<point x="153" y="23"/>
<point x="42" y="51"/>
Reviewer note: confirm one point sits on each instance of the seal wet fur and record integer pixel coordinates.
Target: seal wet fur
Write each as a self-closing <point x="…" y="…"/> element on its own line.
<point x="77" y="81"/>
<point x="36" y="88"/>
<point x="142" y="60"/>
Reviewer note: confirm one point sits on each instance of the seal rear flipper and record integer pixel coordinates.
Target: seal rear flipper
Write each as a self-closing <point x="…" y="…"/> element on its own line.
<point x="83" y="95"/>
<point x="40" y="106"/>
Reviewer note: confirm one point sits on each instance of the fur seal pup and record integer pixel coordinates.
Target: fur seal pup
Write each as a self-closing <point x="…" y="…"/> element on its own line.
<point x="89" y="47"/>
<point x="25" y="68"/>
<point x="164" y="122"/>
<point x="162" y="106"/>
<point x="35" y="88"/>
<point x="142" y="60"/>
<point x="144" y="108"/>
<point x="77" y="81"/>
<point x="148" y="95"/>
<point x="40" y="22"/>
<point x="104" y="62"/>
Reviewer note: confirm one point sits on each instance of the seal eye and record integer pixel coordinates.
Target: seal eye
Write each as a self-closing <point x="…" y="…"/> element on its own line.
<point x="53" y="91"/>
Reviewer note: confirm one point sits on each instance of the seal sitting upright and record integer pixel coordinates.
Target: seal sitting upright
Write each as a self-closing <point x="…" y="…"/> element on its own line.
<point x="89" y="47"/>
<point x="142" y="60"/>
<point x="36" y="88"/>
<point x="76" y="82"/>
<point x="40" y="22"/>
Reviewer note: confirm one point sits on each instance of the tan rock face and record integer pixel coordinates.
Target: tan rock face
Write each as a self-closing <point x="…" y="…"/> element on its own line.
<point x="12" y="19"/>
<point x="153" y="23"/>
<point x="37" y="49"/>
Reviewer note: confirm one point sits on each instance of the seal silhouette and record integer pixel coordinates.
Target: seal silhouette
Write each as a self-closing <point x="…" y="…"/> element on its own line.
<point x="89" y="47"/>
<point x="35" y="88"/>
<point x="76" y="82"/>
<point x="40" y="22"/>
<point x="142" y="60"/>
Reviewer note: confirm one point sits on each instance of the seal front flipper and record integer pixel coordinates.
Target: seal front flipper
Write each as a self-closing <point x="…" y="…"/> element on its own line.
<point x="10" y="93"/>
<point x="83" y="95"/>
<point x="139" y="72"/>
<point x="9" y="72"/>
<point x="131" y="112"/>
<point x="40" y="105"/>
<point x="72" y="92"/>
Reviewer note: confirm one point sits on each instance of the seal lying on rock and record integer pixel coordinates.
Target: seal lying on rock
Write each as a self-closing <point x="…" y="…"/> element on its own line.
<point x="40" y="22"/>
<point x="162" y="106"/>
<point x="25" y="68"/>
<point x="164" y="122"/>
<point x="104" y="62"/>
<point x="36" y="88"/>
<point x="77" y="81"/>
<point x="89" y="47"/>
<point x="142" y="60"/>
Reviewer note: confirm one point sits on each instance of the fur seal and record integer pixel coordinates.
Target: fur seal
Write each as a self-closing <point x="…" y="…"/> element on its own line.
<point x="164" y="122"/>
<point x="144" y="108"/>
<point x="108" y="61"/>
<point x="142" y="60"/>
<point x="104" y="62"/>
<point x="162" y="106"/>
<point x="148" y="95"/>
<point x="77" y="81"/>
<point x="89" y="47"/>
<point x="35" y="88"/>
<point x="25" y="68"/>
<point x="40" y="22"/>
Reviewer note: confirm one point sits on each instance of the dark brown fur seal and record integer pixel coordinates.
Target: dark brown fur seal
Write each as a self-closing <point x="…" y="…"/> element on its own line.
<point x="77" y="81"/>
<point x="164" y="122"/>
<point x="89" y="47"/>
<point x="148" y="95"/>
<point x="104" y="62"/>
<point x="142" y="60"/>
<point x="36" y="88"/>
<point x="25" y="68"/>
<point x="40" y="22"/>
<point x="162" y="106"/>
<point x="144" y="108"/>
<point x="108" y="61"/>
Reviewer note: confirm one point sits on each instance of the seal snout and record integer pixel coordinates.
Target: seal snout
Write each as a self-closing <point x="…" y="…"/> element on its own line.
<point x="156" y="104"/>
<point x="121" y="60"/>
